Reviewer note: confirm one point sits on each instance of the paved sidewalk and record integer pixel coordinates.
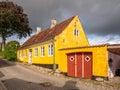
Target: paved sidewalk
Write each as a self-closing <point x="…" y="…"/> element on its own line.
<point x="2" y="87"/>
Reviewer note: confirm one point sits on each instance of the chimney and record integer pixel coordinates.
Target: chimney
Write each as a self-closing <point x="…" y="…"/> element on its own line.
<point x="53" y="22"/>
<point x="38" y="30"/>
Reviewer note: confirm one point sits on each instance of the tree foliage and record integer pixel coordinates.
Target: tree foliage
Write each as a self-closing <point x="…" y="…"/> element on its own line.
<point x="13" y="21"/>
<point x="10" y="52"/>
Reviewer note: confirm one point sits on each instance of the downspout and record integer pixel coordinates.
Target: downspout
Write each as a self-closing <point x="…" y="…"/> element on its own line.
<point x="54" y="65"/>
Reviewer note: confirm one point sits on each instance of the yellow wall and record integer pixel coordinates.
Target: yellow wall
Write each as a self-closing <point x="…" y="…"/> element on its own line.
<point x="21" y="56"/>
<point x="67" y="40"/>
<point x="99" y="62"/>
<point x="64" y="40"/>
<point x="37" y="59"/>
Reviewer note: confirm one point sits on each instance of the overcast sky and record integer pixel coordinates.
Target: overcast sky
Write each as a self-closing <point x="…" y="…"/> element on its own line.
<point x="100" y="18"/>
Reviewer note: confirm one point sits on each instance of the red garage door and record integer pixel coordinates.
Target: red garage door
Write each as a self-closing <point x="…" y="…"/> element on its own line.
<point x="71" y="64"/>
<point x="80" y="64"/>
<point x="87" y="65"/>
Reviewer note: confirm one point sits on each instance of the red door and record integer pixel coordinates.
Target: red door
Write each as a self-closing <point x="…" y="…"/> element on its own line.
<point x="87" y="65"/>
<point x="79" y="64"/>
<point x="71" y="64"/>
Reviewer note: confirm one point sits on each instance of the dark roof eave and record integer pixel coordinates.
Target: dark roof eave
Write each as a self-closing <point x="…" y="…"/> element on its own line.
<point x="50" y="40"/>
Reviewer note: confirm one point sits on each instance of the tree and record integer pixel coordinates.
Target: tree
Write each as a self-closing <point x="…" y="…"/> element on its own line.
<point x="13" y="21"/>
<point x="10" y="51"/>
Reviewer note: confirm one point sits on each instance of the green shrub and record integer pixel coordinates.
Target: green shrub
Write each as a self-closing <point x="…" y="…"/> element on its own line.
<point x="1" y="53"/>
<point x="10" y="52"/>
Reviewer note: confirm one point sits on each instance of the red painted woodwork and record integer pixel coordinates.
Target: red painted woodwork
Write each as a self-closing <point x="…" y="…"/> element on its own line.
<point x="71" y="65"/>
<point x="87" y="65"/>
<point x="81" y="66"/>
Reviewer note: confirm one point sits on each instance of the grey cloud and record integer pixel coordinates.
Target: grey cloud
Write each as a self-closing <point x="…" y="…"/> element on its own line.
<point x="100" y="17"/>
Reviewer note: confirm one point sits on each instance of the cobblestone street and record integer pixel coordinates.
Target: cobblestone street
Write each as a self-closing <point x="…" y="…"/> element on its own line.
<point x="17" y="77"/>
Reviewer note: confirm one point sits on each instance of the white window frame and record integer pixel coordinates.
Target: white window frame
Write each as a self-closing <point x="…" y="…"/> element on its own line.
<point x="22" y="53"/>
<point x="50" y="50"/>
<point x="76" y="32"/>
<point x="42" y="51"/>
<point x="25" y="53"/>
<point x="36" y="52"/>
<point x="19" y="54"/>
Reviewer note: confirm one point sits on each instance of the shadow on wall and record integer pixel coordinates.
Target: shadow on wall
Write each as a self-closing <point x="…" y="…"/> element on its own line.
<point x="114" y="64"/>
<point x="49" y="66"/>
<point x="18" y="84"/>
<point x="117" y="72"/>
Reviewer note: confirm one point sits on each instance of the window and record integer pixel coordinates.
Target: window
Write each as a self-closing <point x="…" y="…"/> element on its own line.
<point x="42" y="51"/>
<point x="25" y="53"/>
<point x="50" y="50"/>
<point x="76" y="32"/>
<point x="19" y="54"/>
<point x="36" y="51"/>
<point x="22" y="54"/>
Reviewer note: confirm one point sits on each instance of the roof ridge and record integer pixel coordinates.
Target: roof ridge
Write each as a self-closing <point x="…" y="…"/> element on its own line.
<point x="48" y="33"/>
<point x="58" y="24"/>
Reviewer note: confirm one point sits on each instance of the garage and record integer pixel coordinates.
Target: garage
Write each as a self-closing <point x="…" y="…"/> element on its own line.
<point x="80" y="64"/>
<point x="94" y="61"/>
<point x="86" y="62"/>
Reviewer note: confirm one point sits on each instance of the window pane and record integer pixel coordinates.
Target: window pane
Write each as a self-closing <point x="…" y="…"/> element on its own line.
<point x="36" y="51"/>
<point x="75" y="32"/>
<point x="50" y="50"/>
<point x="43" y="51"/>
<point x="19" y="54"/>
<point x="25" y="52"/>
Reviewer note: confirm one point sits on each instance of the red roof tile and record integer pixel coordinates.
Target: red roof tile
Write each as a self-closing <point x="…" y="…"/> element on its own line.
<point x="47" y="34"/>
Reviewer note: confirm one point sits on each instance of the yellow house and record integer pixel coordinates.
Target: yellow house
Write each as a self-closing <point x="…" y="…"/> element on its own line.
<point x="65" y="46"/>
<point x="43" y="47"/>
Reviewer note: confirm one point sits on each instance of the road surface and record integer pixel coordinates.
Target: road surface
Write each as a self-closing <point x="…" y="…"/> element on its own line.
<point x="17" y="77"/>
